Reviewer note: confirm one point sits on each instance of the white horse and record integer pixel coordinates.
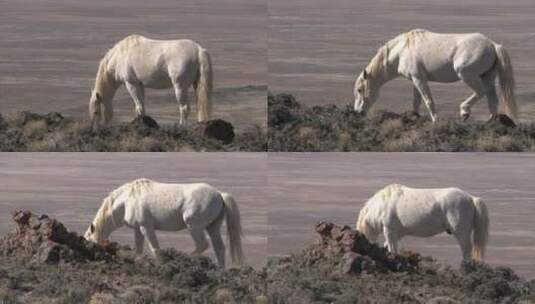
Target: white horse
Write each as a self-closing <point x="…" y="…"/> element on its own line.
<point x="145" y="206"/>
<point x="397" y="211"/>
<point x="422" y="56"/>
<point x="141" y="63"/>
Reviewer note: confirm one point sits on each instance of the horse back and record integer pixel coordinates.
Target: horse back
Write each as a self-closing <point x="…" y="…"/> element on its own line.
<point x="156" y="63"/>
<point x="439" y="56"/>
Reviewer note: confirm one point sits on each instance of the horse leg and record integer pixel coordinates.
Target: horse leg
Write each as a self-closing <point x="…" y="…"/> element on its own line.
<point x="201" y="244"/>
<point x="463" y="238"/>
<point x="181" y="94"/>
<point x="214" y="231"/>
<point x="137" y="92"/>
<point x="425" y="93"/>
<point x="150" y="236"/>
<point x="139" y="240"/>
<point x="416" y="101"/>
<point x="476" y="84"/>
<point x="391" y="240"/>
<point x="492" y="97"/>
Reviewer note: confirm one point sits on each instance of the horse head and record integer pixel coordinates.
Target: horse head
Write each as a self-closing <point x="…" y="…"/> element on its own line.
<point x="94" y="107"/>
<point x="103" y="224"/>
<point x="364" y="226"/>
<point x="364" y="92"/>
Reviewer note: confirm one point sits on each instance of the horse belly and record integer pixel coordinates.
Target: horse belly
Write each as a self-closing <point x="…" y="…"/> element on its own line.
<point x="157" y="80"/>
<point x="167" y="220"/>
<point x="440" y="71"/>
<point x="444" y="75"/>
<point x="424" y="230"/>
<point x="424" y="221"/>
<point x="170" y="224"/>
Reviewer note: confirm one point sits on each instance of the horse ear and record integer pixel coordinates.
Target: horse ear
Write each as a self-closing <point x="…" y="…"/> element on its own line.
<point x="92" y="228"/>
<point x="365" y="74"/>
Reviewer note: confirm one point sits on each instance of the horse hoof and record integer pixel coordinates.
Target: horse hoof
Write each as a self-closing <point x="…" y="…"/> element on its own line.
<point x="465" y="116"/>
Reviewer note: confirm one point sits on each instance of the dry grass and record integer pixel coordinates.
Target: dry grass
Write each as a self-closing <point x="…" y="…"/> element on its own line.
<point x="53" y="132"/>
<point x="342" y="266"/>
<point x="293" y="127"/>
<point x="35" y="128"/>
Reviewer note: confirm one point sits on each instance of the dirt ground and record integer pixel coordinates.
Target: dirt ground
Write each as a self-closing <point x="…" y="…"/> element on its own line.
<point x="51" y="49"/>
<point x="316" y="48"/>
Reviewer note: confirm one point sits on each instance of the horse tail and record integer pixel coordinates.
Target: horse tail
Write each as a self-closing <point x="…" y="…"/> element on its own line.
<point x="480" y="234"/>
<point x="204" y="86"/>
<point x="234" y="230"/>
<point x="507" y="81"/>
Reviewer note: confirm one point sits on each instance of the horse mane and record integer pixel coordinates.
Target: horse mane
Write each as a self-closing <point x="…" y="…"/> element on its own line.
<point x="103" y="213"/>
<point x="372" y="207"/>
<point x="118" y="50"/>
<point x="390" y="191"/>
<point x="380" y="60"/>
<point x="361" y="223"/>
<point x="123" y="46"/>
<point x="134" y="190"/>
<point x="411" y="37"/>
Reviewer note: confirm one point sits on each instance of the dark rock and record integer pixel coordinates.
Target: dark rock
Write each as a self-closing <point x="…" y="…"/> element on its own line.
<point x="46" y="240"/>
<point x="324" y="228"/>
<point x="351" y="262"/>
<point x="506" y="121"/>
<point x="48" y="253"/>
<point x="352" y="244"/>
<point x="218" y="129"/>
<point x="281" y="109"/>
<point x="53" y="118"/>
<point x="144" y="122"/>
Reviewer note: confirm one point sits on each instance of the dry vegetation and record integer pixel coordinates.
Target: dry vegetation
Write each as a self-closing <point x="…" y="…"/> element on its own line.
<point x="42" y="262"/>
<point x="52" y="132"/>
<point x="343" y="267"/>
<point x="294" y="127"/>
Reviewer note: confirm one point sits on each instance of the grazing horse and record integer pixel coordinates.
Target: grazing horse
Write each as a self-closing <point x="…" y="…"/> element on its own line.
<point x="397" y="211"/>
<point x="145" y="206"/>
<point x="422" y="56"/>
<point x="140" y="63"/>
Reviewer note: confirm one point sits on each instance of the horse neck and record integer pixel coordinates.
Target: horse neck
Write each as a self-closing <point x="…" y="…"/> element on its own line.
<point x="105" y="82"/>
<point x="111" y="219"/>
<point x="375" y="213"/>
<point x="388" y="68"/>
